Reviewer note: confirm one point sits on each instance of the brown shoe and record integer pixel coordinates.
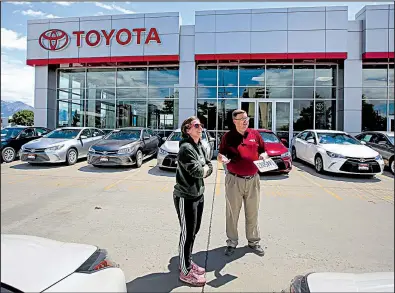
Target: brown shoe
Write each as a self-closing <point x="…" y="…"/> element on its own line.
<point x="257" y="249"/>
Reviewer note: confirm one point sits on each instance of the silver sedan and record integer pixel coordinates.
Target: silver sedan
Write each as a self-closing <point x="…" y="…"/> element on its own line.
<point x="66" y="144"/>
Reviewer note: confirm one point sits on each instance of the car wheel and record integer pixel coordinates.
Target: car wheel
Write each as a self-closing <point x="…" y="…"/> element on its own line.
<point x="139" y="159"/>
<point x="319" y="164"/>
<point x="8" y="154"/>
<point x="392" y="163"/>
<point x="294" y="157"/>
<point x="71" y="157"/>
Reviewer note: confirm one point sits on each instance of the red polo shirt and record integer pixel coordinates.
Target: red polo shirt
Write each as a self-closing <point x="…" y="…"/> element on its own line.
<point x="242" y="151"/>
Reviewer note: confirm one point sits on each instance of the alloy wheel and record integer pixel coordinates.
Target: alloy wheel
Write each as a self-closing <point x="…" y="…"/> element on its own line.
<point x="318" y="164"/>
<point x="8" y="155"/>
<point x="392" y="166"/>
<point x="72" y="157"/>
<point x="139" y="158"/>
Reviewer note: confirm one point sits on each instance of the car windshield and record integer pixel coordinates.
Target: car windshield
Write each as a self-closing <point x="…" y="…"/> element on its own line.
<point x="391" y="138"/>
<point x="269" y="137"/>
<point x="63" y="133"/>
<point x="10" y="132"/>
<point x="175" y="136"/>
<point x="336" y="138"/>
<point x="124" y="135"/>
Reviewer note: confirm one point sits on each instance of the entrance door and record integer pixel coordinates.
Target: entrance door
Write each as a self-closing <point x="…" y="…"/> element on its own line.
<point x="268" y="114"/>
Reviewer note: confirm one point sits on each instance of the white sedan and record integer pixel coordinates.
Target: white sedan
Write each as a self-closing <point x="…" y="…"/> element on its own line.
<point x="336" y="151"/>
<point x="35" y="264"/>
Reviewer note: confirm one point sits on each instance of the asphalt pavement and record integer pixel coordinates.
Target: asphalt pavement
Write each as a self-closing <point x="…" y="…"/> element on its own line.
<point x="308" y="222"/>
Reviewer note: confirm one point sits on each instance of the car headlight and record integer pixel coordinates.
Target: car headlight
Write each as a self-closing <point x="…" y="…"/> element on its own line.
<point x="55" y="148"/>
<point x="334" y="155"/>
<point x="287" y="154"/>
<point x="378" y="158"/>
<point x="125" y="150"/>
<point x="91" y="150"/>
<point x="162" y="152"/>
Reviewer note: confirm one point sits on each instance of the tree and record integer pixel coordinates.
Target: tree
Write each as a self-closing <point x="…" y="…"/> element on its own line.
<point x="23" y="117"/>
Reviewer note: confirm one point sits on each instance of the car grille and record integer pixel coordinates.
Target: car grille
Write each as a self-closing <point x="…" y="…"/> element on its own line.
<point x="361" y="160"/>
<point x="280" y="163"/>
<point x="170" y="161"/>
<point x="106" y="152"/>
<point x="351" y="165"/>
<point x="31" y="150"/>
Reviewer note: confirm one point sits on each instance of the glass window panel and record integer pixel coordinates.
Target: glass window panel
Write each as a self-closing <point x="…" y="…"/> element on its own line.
<point x="279" y="75"/>
<point x="253" y="93"/>
<point x="74" y="79"/>
<point x="207" y="76"/>
<point x="227" y="76"/>
<point x="163" y="77"/>
<point x="391" y="101"/>
<point x="303" y="75"/>
<point x="125" y="93"/>
<point x="303" y="112"/>
<point x="206" y="93"/>
<point x="207" y="113"/>
<point x="391" y="75"/>
<point x="325" y="114"/>
<point x="305" y="93"/>
<point x="131" y="113"/>
<point x="325" y="75"/>
<point x="100" y="77"/>
<point x="163" y="114"/>
<point x="325" y="93"/>
<point x="374" y="115"/>
<point x="279" y="93"/>
<point x="225" y="109"/>
<point x="101" y="94"/>
<point x="70" y="113"/>
<point x="374" y="93"/>
<point x="374" y="75"/>
<point x="71" y="94"/>
<point x="100" y="113"/>
<point x="162" y="93"/>
<point x="227" y="93"/>
<point x="132" y="77"/>
<point x="252" y="76"/>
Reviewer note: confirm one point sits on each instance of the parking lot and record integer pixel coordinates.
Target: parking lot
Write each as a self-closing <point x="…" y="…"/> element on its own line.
<point x="308" y="222"/>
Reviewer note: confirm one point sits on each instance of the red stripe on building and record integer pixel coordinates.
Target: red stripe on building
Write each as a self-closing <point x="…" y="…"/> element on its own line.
<point x="277" y="56"/>
<point x="377" y="55"/>
<point x="132" y="59"/>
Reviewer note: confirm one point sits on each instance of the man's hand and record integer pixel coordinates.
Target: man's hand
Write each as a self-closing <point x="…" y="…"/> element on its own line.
<point x="263" y="156"/>
<point x="222" y="159"/>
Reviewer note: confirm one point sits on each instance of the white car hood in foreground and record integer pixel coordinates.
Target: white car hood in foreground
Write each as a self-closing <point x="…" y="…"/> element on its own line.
<point x="171" y="146"/>
<point x="343" y="282"/>
<point x="355" y="151"/>
<point x="32" y="264"/>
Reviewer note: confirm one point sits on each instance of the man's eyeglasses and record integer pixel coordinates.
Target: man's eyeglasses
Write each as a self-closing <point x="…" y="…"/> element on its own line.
<point x="243" y="119"/>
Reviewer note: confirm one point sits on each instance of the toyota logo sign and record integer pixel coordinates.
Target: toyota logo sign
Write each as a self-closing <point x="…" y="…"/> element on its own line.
<point x="54" y="40"/>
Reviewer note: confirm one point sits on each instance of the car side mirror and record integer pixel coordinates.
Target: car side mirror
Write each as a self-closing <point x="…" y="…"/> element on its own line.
<point x="284" y="141"/>
<point x="146" y="137"/>
<point x="310" y="140"/>
<point x="164" y="138"/>
<point x="363" y="142"/>
<point x="83" y="137"/>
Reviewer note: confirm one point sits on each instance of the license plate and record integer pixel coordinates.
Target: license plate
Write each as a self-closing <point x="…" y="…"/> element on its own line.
<point x="103" y="159"/>
<point x="31" y="157"/>
<point x="266" y="165"/>
<point x="363" y="167"/>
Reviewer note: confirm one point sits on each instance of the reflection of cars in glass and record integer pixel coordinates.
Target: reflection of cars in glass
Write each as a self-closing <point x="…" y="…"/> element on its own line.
<point x="336" y="151"/>
<point x="125" y="146"/>
<point x="343" y="282"/>
<point x="167" y="155"/>
<point x="276" y="150"/>
<point x="64" y="267"/>
<point x="106" y="130"/>
<point x="382" y="142"/>
<point x="13" y="138"/>
<point x="66" y="144"/>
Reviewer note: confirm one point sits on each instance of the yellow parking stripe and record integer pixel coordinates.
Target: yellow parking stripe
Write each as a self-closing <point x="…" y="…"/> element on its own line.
<point x="108" y="187"/>
<point x="319" y="185"/>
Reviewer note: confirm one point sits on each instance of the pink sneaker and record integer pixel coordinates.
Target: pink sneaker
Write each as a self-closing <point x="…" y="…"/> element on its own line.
<point x="198" y="270"/>
<point x="193" y="279"/>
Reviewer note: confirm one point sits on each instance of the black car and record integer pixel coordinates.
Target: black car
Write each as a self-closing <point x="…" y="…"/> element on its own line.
<point x="125" y="146"/>
<point x="13" y="138"/>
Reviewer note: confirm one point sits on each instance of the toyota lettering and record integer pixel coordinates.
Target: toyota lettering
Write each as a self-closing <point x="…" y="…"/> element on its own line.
<point x="54" y="40"/>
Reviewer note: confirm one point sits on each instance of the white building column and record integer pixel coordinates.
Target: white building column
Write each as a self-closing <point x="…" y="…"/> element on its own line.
<point x="45" y="97"/>
<point x="353" y="79"/>
<point x="187" y="102"/>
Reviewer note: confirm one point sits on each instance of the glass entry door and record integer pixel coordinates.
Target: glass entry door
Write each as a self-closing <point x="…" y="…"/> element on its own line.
<point x="272" y="115"/>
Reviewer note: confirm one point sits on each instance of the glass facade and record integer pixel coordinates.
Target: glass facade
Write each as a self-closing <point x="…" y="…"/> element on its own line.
<point x="311" y="90"/>
<point x="377" y="96"/>
<point x="119" y="97"/>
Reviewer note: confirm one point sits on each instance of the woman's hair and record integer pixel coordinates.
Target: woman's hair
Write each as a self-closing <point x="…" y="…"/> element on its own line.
<point x="186" y="125"/>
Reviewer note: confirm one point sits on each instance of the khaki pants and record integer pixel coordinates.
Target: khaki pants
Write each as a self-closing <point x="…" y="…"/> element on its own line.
<point x="237" y="191"/>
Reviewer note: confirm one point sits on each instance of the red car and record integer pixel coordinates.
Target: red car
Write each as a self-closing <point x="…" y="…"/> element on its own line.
<point x="277" y="151"/>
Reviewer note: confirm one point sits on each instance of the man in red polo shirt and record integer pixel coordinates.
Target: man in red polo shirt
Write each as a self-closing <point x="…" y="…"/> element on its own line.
<point x="239" y="148"/>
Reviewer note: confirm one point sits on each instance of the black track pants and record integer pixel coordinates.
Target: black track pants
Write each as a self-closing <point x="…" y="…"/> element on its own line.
<point x="189" y="213"/>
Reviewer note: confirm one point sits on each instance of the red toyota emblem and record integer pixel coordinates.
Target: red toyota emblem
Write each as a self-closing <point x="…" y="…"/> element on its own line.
<point x="53" y="40"/>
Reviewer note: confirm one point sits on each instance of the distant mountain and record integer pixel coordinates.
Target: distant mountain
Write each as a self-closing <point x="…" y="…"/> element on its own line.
<point x="8" y="108"/>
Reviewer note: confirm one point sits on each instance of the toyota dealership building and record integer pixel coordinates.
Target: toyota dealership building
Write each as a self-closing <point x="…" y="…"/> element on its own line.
<point x="289" y="68"/>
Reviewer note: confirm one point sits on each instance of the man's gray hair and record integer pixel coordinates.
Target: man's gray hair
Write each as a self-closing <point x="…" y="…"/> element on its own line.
<point x="237" y="112"/>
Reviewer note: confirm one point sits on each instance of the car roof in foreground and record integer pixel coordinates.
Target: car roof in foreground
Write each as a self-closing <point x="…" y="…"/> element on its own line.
<point x="265" y="130"/>
<point x="328" y="131"/>
<point x="389" y="133"/>
<point x="131" y="128"/>
<point x="72" y="128"/>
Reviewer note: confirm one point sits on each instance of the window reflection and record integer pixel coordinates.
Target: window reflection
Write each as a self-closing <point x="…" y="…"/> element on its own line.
<point x="100" y="114"/>
<point x="100" y="77"/>
<point x="325" y="114"/>
<point x="279" y="93"/>
<point x="163" y="77"/>
<point x="325" y="93"/>
<point x="225" y="109"/>
<point x="74" y="79"/>
<point x="161" y="114"/>
<point x="374" y="75"/>
<point x="253" y="93"/>
<point x="303" y="112"/>
<point x="374" y="115"/>
<point x="279" y="76"/>
<point x="374" y="93"/>
<point x="303" y="75"/>
<point x="70" y="113"/>
<point x="71" y="94"/>
<point x="132" y="77"/>
<point x="131" y="113"/>
<point x="325" y="75"/>
<point x="303" y="93"/>
<point x="207" y="76"/>
<point x="227" y="76"/>
<point x="206" y="93"/>
<point x="227" y="93"/>
<point x="100" y="94"/>
<point x="161" y="93"/>
<point x="391" y="75"/>
<point x="207" y="113"/>
<point x="125" y="93"/>
<point x="252" y="75"/>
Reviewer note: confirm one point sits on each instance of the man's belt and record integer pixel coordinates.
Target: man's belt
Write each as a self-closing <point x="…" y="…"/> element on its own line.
<point x="244" y="177"/>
